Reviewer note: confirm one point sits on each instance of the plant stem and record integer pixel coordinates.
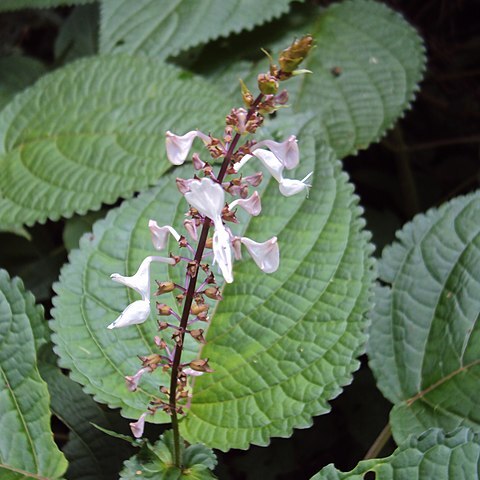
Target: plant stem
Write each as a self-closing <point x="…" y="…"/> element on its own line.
<point x="379" y="443"/>
<point x="189" y="298"/>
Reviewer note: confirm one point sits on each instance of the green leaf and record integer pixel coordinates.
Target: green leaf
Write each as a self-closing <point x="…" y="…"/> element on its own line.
<point x="17" y="72"/>
<point x="7" y="5"/>
<point x="27" y="449"/>
<point x="366" y="67"/>
<point x="281" y="345"/>
<point x="153" y="28"/>
<point x="432" y="455"/>
<point x="155" y="460"/>
<point x="424" y="345"/>
<point x="78" y="225"/>
<point x="78" y="35"/>
<point x="91" y="455"/>
<point x="94" y="131"/>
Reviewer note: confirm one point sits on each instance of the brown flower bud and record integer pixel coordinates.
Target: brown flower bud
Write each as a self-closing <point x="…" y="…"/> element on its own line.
<point x="162" y="325"/>
<point x="198" y="308"/>
<point x="182" y="242"/>
<point x="209" y="242"/>
<point x="197" y="334"/>
<point x="291" y="57"/>
<point x="200" y="365"/>
<point x="213" y="293"/>
<point x="163" y="309"/>
<point x="164" y="390"/>
<point x="177" y="338"/>
<point x="203" y="316"/>
<point x="164" y="287"/>
<point x="246" y="95"/>
<point x="192" y="268"/>
<point x="160" y="343"/>
<point x="267" y="84"/>
<point x="180" y="297"/>
<point x="151" y="360"/>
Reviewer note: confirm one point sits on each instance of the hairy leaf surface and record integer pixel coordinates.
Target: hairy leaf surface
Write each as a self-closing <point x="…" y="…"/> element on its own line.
<point x="432" y="455"/>
<point x="163" y="30"/>
<point x="94" y="131"/>
<point x="281" y="345"/>
<point x="424" y="345"/>
<point x="27" y="449"/>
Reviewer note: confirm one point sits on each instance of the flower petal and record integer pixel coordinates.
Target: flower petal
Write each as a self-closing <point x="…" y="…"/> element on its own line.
<point x="160" y="234"/>
<point x="271" y="163"/>
<point x="287" y="151"/>
<point x="222" y="251"/>
<point x="266" y="255"/>
<point x="138" y="426"/>
<point x="207" y="197"/>
<point x="178" y="146"/>
<point x="252" y="204"/>
<point x="140" y="282"/>
<point x="289" y="187"/>
<point x="137" y="312"/>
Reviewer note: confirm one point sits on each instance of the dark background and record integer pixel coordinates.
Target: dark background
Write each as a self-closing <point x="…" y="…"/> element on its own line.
<point x="431" y="156"/>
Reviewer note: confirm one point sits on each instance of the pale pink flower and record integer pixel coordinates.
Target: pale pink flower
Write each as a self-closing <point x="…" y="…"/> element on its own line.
<point x="252" y="205"/>
<point x="287" y="151"/>
<point x="266" y="255"/>
<point x="178" y="146"/>
<point x="160" y="234"/>
<point x="138" y="426"/>
<point x="133" y="380"/>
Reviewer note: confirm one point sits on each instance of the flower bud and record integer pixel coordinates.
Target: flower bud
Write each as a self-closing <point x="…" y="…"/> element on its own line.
<point x="163" y="309"/>
<point x="200" y="365"/>
<point x="213" y="293"/>
<point x="151" y="360"/>
<point x="162" y="325"/>
<point x="209" y="242"/>
<point x="164" y="287"/>
<point x="246" y="95"/>
<point x="198" y="308"/>
<point x="267" y="84"/>
<point x="291" y="57"/>
<point x="197" y="334"/>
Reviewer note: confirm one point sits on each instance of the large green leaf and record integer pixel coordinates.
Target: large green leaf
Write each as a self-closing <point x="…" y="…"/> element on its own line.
<point x="156" y="461"/>
<point x="424" y="347"/>
<point x="432" y="456"/>
<point x="160" y="30"/>
<point x="27" y="449"/>
<point x="94" y="131"/>
<point x="17" y="72"/>
<point x="281" y="345"/>
<point x="366" y="67"/>
<point x="6" y="5"/>
<point x="91" y="454"/>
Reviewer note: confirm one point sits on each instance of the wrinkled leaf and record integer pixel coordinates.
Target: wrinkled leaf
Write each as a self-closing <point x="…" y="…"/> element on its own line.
<point x="424" y="345"/>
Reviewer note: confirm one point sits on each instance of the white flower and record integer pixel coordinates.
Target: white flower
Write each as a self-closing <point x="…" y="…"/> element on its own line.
<point x="287" y="151"/>
<point x="138" y="426"/>
<point x="192" y="372"/>
<point x="222" y="252"/>
<point x="178" y="146"/>
<point x="208" y="198"/>
<point x="287" y="186"/>
<point x="160" y="234"/>
<point x="137" y="312"/>
<point x="252" y="205"/>
<point x="140" y="282"/>
<point x="266" y="255"/>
